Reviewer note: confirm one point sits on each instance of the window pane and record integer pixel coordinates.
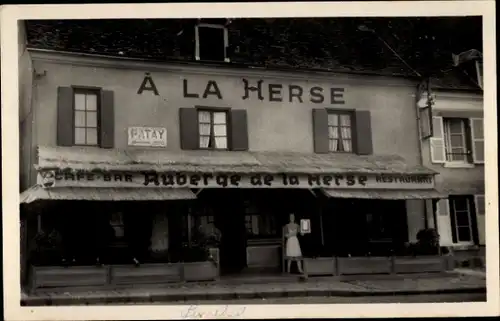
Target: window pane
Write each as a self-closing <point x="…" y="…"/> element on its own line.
<point x="457" y="157"/>
<point x="462" y="218"/>
<point x="92" y="136"/>
<point x="345" y="120"/>
<point x="220" y="130"/>
<point x="79" y="101"/>
<point x="204" y="117"/>
<point x="346" y="132"/>
<point x="464" y="234"/>
<point x="204" y="129"/>
<point x="333" y="132"/>
<point x="456" y="140"/>
<point x="204" y="140"/>
<point x="455" y="126"/>
<point x="91" y="119"/>
<point x="80" y="136"/>
<point x="220" y="118"/>
<point x="91" y="102"/>
<point x="79" y="118"/>
<point x="460" y="204"/>
<point x="255" y="224"/>
<point x="458" y="150"/>
<point x="334" y="145"/>
<point x="221" y="142"/>
<point x="333" y="119"/>
<point x="347" y="144"/>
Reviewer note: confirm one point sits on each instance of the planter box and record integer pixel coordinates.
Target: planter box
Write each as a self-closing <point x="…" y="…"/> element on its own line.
<point x="200" y="271"/>
<point x="55" y="276"/>
<point x="364" y="265"/>
<point x="146" y="273"/>
<point x="420" y="264"/>
<point x="320" y="266"/>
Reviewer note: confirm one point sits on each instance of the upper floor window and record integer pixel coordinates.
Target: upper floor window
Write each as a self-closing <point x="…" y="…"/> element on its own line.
<point x="211" y="42"/>
<point x="457" y="140"/>
<point x="212" y="129"/>
<point x="85" y="117"/>
<point x="340" y="132"/>
<point x="86" y="124"/>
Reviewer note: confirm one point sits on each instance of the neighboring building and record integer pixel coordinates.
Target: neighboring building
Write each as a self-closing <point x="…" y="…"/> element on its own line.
<point x="456" y="150"/>
<point x="215" y="143"/>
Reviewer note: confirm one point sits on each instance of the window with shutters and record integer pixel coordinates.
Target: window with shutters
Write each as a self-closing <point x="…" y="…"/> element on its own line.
<point x="86" y="118"/>
<point x="456" y="145"/>
<point x="340" y="131"/>
<point x="211" y="42"/>
<point x="212" y="129"/>
<point x="457" y="141"/>
<point x="461" y="220"/>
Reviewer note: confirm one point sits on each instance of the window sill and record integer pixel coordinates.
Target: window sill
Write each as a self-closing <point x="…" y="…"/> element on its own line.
<point x="458" y="165"/>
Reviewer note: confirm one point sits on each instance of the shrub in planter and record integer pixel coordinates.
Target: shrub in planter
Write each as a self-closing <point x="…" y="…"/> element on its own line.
<point x="45" y="248"/>
<point x="427" y="242"/>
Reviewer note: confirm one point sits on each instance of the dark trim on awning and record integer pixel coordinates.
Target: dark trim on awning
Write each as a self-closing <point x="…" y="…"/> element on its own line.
<point x="37" y="192"/>
<point x="384" y="194"/>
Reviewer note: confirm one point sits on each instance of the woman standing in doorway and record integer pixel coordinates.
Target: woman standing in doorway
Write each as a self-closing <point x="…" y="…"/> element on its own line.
<point x="292" y="247"/>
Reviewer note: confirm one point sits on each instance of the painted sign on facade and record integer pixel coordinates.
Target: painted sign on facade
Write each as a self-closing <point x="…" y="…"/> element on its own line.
<point x="254" y="89"/>
<point x="147" y="136"/>
<point x="211" y="180"/>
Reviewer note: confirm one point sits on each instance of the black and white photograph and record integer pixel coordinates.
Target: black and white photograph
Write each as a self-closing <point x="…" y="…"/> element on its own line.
<point x="226" y="164"/>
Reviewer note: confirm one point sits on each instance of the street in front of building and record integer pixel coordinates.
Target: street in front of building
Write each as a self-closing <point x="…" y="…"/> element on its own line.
<point x="435" y="298"/>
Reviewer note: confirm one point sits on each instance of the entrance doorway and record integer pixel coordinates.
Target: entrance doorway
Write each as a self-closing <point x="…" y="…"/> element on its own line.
<point x="228" y="217"/>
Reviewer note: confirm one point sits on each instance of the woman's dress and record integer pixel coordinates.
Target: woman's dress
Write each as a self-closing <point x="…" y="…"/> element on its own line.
<point x="292" y="243"/>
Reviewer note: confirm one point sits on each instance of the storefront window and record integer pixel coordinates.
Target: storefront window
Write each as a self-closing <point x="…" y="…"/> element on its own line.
<point x="259" y="224"/>
<point x="118" y="225"/>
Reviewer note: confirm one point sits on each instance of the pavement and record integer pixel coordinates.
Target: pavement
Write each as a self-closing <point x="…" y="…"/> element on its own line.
<point x="457" y="282"/>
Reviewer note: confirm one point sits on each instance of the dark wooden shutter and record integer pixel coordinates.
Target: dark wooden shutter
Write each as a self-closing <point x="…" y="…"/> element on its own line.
<point x="453" y="222"/>
<point x="473" y="220"/>
<point x="188" y="119"/>
<point x="239" y="130"/>
<point x="65" y="116"/>
<point x="364" y="145"/>
<point x="107" y="119"/>
<point x="320" y="130"/>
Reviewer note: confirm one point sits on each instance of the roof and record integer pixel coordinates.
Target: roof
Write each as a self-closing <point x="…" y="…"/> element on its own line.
<point x="319" y="44"/>
<point x="36" y="193"/>
<point x="97" y="159"/>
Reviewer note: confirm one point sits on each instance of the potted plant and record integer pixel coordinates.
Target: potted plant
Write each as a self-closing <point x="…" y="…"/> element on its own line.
<point x="428" y="242"/>
<point x="424" y="254"/>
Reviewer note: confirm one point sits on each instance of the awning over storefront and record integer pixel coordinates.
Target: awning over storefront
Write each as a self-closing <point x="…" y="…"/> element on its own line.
<point x="104" y="194"/>
<point x="203" y="161"/>
<point x="384" y="194"/>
